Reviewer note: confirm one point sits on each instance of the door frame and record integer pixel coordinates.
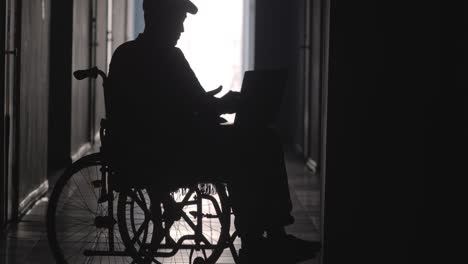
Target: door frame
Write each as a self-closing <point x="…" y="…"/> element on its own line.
<point x="325" y="34"/>
<point x="3" y="175"/>
<point x="315" y="82"/>
<point x="59" y="131"/>
<point x="14" y="110"/>
<point x="10" y="37"/>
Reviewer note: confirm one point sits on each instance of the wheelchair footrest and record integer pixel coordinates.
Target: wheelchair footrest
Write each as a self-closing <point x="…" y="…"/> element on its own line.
<point x="195" y="215"/>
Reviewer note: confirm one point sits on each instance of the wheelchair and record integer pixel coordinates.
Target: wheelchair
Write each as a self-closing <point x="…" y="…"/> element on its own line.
<point x="91" y="220"/>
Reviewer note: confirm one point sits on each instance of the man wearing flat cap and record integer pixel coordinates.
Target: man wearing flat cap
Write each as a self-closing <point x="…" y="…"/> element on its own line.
<point x="184" y="5"/>
<point x="166" y="132"/>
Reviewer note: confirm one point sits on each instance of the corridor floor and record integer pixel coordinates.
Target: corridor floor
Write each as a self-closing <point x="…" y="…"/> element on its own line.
<point x="26" y="242"/>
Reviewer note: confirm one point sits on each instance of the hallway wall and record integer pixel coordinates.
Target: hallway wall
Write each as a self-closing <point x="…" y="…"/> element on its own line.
<point x="279" y="35"/>
<point x="80" y="126"/>
<point x="382" y="68"/>
<point x="33" y="96"/>
<point x="60" y="93"/>
<point x="290" y="35"/>
<point x="3" y="162"/>
<point x="118" y="35"/>
<point x="78" y="105"/>
<point x="53" y="117"/>
<point x="47" y="89"/>
<point x="316" y="60"/>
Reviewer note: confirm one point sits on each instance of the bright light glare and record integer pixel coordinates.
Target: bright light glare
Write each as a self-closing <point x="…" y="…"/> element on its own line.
<point x="212" y="43"/>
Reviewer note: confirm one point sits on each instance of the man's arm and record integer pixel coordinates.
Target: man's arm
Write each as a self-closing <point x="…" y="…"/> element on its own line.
<point x="201" y="101"/>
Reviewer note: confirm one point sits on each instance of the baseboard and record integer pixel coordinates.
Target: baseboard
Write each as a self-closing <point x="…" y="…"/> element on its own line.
<point x="312" y="165"/>
<point x="32" y="199"/>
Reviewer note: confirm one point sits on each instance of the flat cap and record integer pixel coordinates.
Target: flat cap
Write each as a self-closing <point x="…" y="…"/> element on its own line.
<point x="183" y="5"/>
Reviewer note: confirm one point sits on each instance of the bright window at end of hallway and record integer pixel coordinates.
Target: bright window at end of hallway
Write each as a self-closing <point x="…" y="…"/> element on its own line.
<point x="212" y="42"/>
<point x="216" y="43"/>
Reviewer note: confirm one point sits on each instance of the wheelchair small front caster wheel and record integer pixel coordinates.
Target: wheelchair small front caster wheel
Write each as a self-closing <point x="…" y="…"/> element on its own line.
<point x="198" y="260"/>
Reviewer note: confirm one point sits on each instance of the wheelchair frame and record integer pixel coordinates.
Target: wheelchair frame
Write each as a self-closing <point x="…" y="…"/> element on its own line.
<point x="107" y="194"/>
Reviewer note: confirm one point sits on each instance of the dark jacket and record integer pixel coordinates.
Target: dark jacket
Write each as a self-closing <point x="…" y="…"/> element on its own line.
<point x="155" y="105"/>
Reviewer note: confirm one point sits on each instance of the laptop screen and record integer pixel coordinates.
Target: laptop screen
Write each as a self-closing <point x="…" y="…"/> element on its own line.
<point x="261" y="96"/>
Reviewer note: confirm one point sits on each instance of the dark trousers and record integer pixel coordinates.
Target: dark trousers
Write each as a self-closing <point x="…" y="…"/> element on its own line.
<point x="252" y="164"/>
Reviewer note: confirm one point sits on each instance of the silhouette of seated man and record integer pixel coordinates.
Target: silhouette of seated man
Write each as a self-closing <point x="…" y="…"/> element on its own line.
<point x="166" y="133"/>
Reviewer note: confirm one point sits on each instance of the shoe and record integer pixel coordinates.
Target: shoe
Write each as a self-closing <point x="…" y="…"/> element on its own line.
<point x="294" y="249"/>
<point x="256" y="256"/>
<point x="256" y="253"/>
<point x="246" y="257"/>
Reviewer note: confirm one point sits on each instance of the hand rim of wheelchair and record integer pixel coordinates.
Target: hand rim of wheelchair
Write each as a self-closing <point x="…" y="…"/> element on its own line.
<point x="96" y="159"/>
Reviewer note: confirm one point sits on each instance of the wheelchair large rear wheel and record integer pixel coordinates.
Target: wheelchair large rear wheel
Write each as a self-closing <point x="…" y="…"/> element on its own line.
<point x="80" y="225"/>
<point x="188" y="225"/>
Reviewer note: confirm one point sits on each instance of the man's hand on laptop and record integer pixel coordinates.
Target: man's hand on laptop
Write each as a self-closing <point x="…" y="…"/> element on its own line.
<point x="231" y="102"/>
<point x="215" y="91"/>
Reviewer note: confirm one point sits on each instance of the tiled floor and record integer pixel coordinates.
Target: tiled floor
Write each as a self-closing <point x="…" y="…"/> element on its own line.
<point x="26" y="242"/>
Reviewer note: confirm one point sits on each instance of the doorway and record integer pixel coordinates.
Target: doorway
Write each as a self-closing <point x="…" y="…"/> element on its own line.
<point x="9" y="38"/>
<point x="315" y="82"/>
<point x="2" y="124"/>
<point x="60" y="85"/>
<point x="316" y="86"/>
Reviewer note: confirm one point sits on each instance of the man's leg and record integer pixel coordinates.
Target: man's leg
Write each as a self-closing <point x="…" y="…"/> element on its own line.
<point x="254" y="168"/>
<point x="264" y="201"/>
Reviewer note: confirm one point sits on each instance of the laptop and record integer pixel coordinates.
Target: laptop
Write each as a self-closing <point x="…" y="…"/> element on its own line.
<point x="261" y="96"/>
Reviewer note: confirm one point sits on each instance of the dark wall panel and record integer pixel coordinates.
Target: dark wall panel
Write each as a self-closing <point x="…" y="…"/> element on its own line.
<point x="278" y="44"/>
<point x="11" y="91"/>
<point x="316" y="74"/>
<point x="3" y="175"/>
<point x="80" y="132"/>
<point x="33" y="96"/>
